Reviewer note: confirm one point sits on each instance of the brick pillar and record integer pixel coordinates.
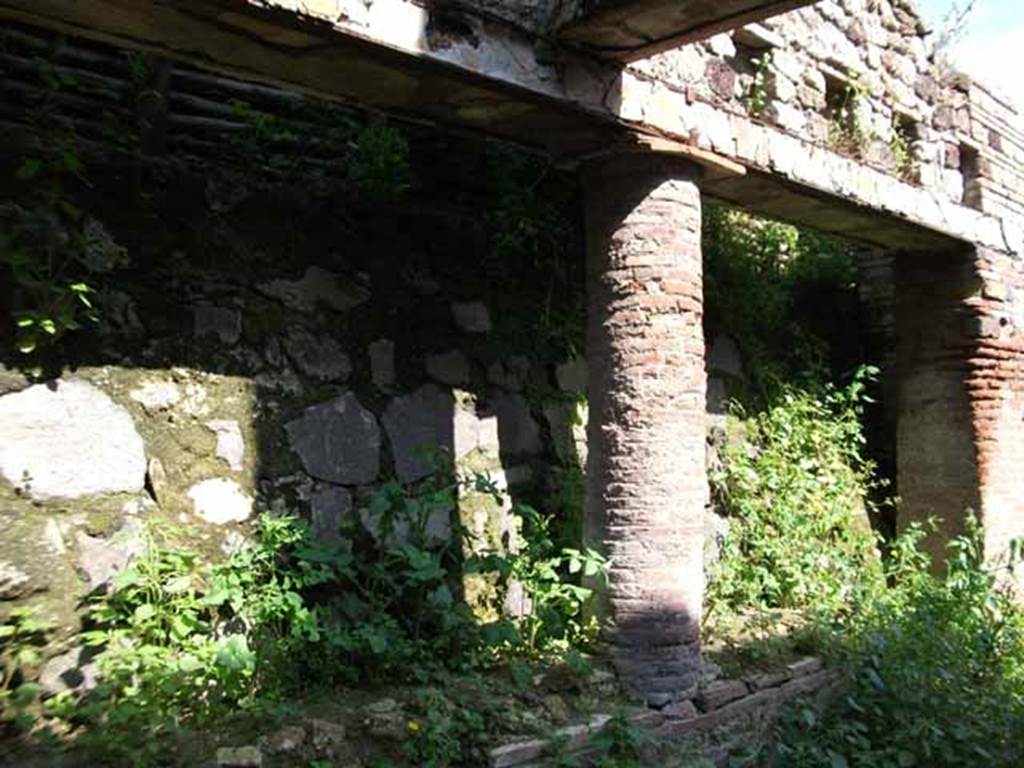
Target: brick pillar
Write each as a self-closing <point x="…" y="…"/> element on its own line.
<point x="996" y="387"/>
<point x="960" y="358"/>
<point x="646" y="483"/>
<point x="937" y="471"/>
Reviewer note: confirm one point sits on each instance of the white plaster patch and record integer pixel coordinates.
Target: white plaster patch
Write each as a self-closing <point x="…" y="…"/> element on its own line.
<point x="53" y="538"/>
<point x="155" y="396"/>
<point x="230" y="443"/>
<point x="220" y="500"/>
<point x="474" y="432"/>
<point x="195" y="399"/>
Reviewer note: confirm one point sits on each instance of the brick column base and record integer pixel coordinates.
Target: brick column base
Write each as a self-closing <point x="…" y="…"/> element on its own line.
<point x="646" y="482"/>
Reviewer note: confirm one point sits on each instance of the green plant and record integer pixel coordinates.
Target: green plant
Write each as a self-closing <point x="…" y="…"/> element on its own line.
<point x="847" y="133"/>
<point x="764" y="282"/>
<point x="557" y="755"/>
<point x="20" y="637"/>
<point x="620" y="743"/>
<point x="536" y="249"/>
<point x="757" y="95"/>
<point x="265" y="142"/>
<point x="935" y="672"/>
<point x="168" y="655"/>
<point x="552" y="579"/>
<point x="140" y="67"/>
<point x="795" y="488"/>
<point x="447" y="735"/>
<point x="183" y="643"/>
<point x="902" y="152"/>
<point x="379" y="161"/>
<point x="52" y="251"/>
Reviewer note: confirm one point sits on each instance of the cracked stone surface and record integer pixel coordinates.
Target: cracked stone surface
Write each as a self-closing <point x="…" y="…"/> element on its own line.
<point x="418" y="425"/>
<point x="317" y="286"/>
<point x="337" y="441"/>
<point x="329" y="506"/>
<point x="230" y="443"/>
<point x="317" y="356"/>
<point x="100" y="558"/>
<point x="221" y="322"/>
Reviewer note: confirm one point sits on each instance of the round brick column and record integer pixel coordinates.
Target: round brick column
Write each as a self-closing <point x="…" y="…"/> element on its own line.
<point x="646" y="479"/>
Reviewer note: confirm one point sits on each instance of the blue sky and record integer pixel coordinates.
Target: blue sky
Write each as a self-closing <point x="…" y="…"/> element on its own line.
<point x="993" y="48"/>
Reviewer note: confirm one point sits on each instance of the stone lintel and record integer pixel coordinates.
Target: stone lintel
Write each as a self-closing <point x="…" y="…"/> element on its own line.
<point x="628" y="30"/>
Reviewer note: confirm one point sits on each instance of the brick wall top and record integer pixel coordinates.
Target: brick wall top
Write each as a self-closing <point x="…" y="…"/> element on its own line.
<point x="997" y="139"/>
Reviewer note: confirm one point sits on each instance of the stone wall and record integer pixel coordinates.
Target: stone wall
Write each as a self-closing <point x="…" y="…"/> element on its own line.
<point x="728" y="717"/>
<point x="275" y="340"/>
<point x="278" y="336"/>
<point x="854" y="76"/>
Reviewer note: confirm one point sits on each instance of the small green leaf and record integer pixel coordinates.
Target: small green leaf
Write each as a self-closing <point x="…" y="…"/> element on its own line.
<point x="29" y="169"/>
<point x="378" y="644"/>
<point x="234" y="653"/>
<point x="144" y="612"/>
<point x="26" y="693"/>
<point x="178" y="585"/>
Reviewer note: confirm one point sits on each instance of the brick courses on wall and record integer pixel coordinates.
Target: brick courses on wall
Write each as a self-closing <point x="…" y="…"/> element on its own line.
<point x="993" y="153"/>
<point x="646" y="484"/>
<point x="960" y="362"/>
<point x="996" y="387"/>
<point x="497" y="73"/>
<point x="936" y="455"/>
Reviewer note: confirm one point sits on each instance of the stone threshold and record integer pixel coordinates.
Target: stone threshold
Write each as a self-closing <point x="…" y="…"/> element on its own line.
<point x="724" y="702"/>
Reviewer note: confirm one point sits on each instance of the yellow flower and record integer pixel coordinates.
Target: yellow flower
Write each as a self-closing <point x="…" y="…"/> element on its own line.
<point x="414" y="727"/>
